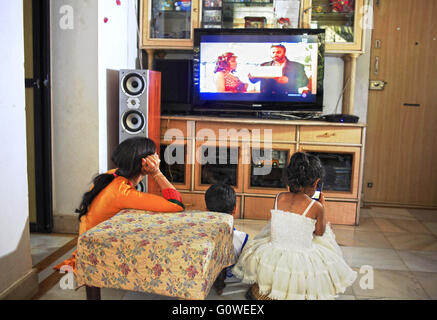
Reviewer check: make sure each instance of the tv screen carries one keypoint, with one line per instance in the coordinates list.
(259, 69)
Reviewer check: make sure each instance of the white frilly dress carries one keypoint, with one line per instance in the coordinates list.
(288, 262)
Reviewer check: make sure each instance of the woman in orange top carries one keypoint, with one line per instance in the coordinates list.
(115, 190)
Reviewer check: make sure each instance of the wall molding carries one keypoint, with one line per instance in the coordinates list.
(22, 289)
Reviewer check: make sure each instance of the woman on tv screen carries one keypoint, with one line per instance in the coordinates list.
(225, 81)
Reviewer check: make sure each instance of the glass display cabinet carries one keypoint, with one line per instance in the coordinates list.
(341, 169)
(238, 14)
(168, 23)
(234, 151)
(218, 163)
(265, 172)
(342, 20)
(174, 166)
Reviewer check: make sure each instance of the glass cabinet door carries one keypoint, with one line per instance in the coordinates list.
(175, 165)
(218, 163)
(169, 23)
(265, 171)
(341, 19)
(341, 166)
(238, 14)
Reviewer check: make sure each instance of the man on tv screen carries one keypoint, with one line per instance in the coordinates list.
(288, 81)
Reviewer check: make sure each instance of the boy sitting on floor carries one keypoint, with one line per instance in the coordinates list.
(222, 198)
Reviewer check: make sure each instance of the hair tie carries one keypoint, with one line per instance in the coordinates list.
(115, 175)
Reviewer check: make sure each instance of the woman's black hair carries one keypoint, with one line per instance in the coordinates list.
(303, 170)
(220, 198)
(127, 157)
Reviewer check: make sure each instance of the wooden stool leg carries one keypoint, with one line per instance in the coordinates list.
(219, 283)
(93, 293)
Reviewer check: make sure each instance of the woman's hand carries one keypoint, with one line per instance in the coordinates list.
(151, 165)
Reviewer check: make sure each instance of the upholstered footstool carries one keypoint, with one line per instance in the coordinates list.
(173, 254)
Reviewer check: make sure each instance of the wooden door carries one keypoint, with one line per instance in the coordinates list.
(401, 145)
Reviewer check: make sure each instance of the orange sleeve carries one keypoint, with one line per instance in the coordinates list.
(134, 199)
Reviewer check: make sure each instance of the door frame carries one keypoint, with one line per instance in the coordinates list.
(42, 117)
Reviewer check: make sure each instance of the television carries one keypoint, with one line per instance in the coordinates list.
(258, 70)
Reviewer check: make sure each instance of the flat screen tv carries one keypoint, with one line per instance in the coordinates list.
(268, 70)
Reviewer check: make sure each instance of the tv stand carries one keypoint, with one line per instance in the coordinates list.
(256, 194)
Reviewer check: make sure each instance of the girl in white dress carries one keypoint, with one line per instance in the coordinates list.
(296, 256)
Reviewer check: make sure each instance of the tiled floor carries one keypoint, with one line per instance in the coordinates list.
(43, 245)
(399, 244)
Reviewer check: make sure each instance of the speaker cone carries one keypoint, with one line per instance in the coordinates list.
(133, 121)
(133, 84)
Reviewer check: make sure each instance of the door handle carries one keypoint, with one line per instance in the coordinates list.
(376, 68)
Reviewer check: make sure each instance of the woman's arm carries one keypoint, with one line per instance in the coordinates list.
(170, 201)
(321, 219)
(131, 198)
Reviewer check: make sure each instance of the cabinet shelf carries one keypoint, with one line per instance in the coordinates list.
(182, 13)
(332, 16)
(249, 3)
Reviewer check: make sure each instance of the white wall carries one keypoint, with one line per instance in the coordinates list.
(15, 258)
(116, 50)
(82, 57)
(75, 105)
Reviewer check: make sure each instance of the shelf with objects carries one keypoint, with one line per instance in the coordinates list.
(344, 22)
(168, 23)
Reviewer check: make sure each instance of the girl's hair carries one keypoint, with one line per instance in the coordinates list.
(222, 63)
(127, 157)
(302, 171)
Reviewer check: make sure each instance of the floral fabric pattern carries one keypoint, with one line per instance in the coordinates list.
(171, 254)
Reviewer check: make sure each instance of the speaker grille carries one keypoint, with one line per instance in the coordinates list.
(133, 84)
(133, 121)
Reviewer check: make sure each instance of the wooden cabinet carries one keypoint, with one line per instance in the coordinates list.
(234, 151)
(167, 25)
(341, 169)
(263, 173)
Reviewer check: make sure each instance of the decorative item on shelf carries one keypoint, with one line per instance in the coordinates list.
(284, 23)
(254, 22)
(212, 16)
(184, 5)
(166, 5)
(212, 3)
(318, 9)
(342, 5)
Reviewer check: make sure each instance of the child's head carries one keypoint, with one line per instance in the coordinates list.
(220, 198)
(303, 172)
(128, 154)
